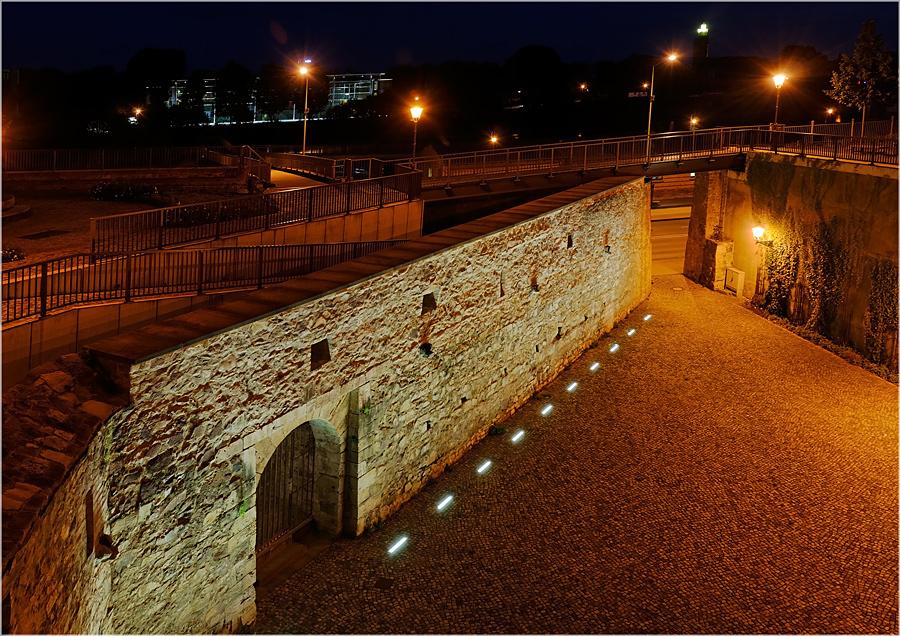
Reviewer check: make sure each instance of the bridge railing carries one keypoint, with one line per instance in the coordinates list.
(184, 224)
(42, 288)
(459, 168)
(110, 158)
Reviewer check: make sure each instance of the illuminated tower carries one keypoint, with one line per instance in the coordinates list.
(700, 60)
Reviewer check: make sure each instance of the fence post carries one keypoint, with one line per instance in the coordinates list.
(260, 271)
(874, 146)
(348, 186)
(43, 290)
(812, 126)
(309, 216)
(834, 142)
(551, 160)
(162, 223)
(618, 154)
(128, 277)
(218, 217)
(381, 192)
(852, 122)
(200, 273)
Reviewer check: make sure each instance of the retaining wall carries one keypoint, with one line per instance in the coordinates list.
(503, 304)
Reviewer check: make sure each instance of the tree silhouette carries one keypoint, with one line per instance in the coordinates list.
(866, 78)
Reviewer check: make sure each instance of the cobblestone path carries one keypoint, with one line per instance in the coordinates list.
(716, 474)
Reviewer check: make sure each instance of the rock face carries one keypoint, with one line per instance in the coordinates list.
(397, 372)
(49, 420)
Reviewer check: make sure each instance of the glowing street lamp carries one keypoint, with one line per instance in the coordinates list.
(828, 114)
(416, 112)
(779, 82)
(493, 141)
(671, 58)
(304, 71)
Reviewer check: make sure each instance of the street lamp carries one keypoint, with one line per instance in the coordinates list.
(304, 71)
(416, 112)
(671, 58)
(828, 114)
(779, 81)
(493, 141)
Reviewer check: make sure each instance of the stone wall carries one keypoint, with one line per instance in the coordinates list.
(829, 224)
(429, 344)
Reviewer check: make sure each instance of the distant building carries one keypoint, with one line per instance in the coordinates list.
(347, 87)
(177, 90)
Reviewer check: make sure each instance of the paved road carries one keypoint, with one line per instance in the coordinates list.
(667, 242)
(716, 474)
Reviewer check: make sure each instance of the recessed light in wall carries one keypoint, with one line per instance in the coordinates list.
(397, 545)
(445, 502)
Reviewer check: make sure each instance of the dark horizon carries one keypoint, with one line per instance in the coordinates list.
(374, 36)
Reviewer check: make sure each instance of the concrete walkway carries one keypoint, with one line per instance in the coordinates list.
(716, 474)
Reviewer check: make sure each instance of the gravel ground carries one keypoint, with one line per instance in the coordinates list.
(716, 474)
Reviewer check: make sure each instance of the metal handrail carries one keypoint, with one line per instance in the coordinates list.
(485, 165)
(42, 288)
(211, 220)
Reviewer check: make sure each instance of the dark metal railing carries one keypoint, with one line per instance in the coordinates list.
(184, 224)
(42, 288)
(110, 158)
(454, 169)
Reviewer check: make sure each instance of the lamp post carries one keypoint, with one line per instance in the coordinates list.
(416, 112)
(828, 114)
(779, 82)
(671, 58)
(304, 71)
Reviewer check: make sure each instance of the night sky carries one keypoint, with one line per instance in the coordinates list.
(374, 36)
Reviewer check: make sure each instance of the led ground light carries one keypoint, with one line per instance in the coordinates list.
(631, 332)
(445, 502)
(546, 409)
(572, 387)
(614, 348)
(518, 436)
(397, 545)
(595, 366)
(647, 317)
(484, 467)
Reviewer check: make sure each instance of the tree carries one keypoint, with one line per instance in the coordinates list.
(234, 93)
(273, 93)
(866, 78)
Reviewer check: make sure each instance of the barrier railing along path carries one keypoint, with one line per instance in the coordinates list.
(42, 288)
(457, 169)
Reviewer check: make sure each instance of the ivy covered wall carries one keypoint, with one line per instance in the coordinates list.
(828, 261)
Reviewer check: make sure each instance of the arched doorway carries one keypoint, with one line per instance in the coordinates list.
(284, 496)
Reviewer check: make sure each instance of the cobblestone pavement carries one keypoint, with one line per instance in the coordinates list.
(716, 474)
